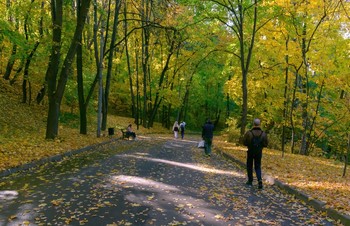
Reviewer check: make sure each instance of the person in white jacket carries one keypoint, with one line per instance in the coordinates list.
(176, 129)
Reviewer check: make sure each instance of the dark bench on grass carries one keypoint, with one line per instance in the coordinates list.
(125, 134)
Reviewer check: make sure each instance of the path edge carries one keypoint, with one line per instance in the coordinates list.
(55, 158)
(316, 204)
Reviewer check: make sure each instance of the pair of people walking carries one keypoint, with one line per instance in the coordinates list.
(179, 128)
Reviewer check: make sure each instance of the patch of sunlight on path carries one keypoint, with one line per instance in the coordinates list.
(187, 165)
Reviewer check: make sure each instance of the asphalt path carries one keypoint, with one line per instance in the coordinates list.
(149, 181)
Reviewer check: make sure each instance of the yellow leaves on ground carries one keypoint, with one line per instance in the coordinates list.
(23, 128)
(320, 178)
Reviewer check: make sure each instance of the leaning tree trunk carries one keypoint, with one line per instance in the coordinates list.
(12, 58)
(26, 75)
(158, 99)
(10, 63)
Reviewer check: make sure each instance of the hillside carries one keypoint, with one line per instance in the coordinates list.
(23, 127)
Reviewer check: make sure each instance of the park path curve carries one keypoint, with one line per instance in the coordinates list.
(149, 181)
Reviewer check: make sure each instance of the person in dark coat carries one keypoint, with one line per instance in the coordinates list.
(207, 135)
(255, 139)
(182, 128)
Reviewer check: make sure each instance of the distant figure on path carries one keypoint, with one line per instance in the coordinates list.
(255, 139)
(207, 135)
(129, 132)
(176, 129)
(182, 128)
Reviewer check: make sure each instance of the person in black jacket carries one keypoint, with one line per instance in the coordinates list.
(207, 135)
(255, 139)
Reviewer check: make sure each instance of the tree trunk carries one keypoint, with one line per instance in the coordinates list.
(110, 63)
(51, 73)
(132, 95)
(18, 72)
(100, 82)
(10, 63)
(12, 58)
(312, 139)
(145, 58)
(57, 94)
(347, 156)
(159, 99)
(291, 116)
(138, 104)
(80, 81)
(245, 61)
(305, 106)
(26, 73)
(285, 102)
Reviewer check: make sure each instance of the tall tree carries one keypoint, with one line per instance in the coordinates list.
(306, 24)
(55, 93)
(111, 55)
(242, 18)
(146, 35)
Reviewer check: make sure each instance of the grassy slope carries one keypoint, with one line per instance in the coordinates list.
(22, 132)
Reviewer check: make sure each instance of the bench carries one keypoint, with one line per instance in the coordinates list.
(125, 135)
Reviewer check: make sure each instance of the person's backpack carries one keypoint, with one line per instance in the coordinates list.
(257, 142)
(182, 127)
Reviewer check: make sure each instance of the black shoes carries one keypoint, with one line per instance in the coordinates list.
(250, 183)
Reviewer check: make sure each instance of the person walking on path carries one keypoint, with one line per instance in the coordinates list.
(255, 139)
(182, 128)
(176, 129)
(207, 135)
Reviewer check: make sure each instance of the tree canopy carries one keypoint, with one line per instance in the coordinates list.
(285, 62)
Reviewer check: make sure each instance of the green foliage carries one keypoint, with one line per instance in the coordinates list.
(8, 32)
(233, 131)
(70, 119)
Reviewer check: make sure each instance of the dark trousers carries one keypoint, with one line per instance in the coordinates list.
(182, 133)
(207, 145)
(256, 159)
(131, 134)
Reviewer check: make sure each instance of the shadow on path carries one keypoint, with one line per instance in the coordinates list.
(146, 182)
